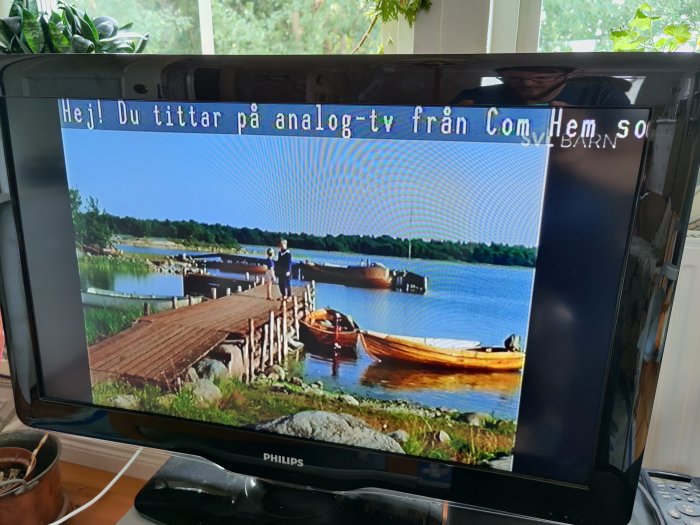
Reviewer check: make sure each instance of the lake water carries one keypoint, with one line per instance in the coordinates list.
(464, 301)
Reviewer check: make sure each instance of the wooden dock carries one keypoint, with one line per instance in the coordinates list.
(160, 348)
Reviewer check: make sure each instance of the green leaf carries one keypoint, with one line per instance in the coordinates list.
(679, 32)
(106, 27)
(644, 10)
(142, 45)
(88, 29)
(32, 7)
(32, 32)
(673, 46)
(123, 36)
(4, 41)
(11, 26)
(69, 15)
(642, 24)
(16, 9)
(55, 17)
(126, 26)
(660, 43)
(81, 45)
(19, 45)
(619, 33)
(59, 41)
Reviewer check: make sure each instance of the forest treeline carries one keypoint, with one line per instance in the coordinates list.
(97, 228)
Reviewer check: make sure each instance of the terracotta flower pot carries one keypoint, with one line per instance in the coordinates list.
(19, 459)
(40, 499)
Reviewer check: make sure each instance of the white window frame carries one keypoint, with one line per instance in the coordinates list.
(477, 26)
(206, 27)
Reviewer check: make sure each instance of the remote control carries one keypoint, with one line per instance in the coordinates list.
(676, 495)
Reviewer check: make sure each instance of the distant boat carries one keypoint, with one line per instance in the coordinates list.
(374, 275)
(231, 263)
(120, 300)
(325, 328)
(440, 353)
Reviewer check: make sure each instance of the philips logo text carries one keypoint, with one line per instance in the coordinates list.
(284, 460)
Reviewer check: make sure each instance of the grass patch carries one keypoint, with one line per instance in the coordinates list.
(295, 367)
(246, 404)
(101, 322)
(103, 263)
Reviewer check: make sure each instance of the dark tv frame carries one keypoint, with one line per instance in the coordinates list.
(671, 90)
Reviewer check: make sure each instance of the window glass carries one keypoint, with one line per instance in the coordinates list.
(290, 27)
(172, 24)
(585, 26)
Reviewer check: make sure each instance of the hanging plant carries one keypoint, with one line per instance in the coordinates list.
(390, 10)
(645, 31)
(65, 30)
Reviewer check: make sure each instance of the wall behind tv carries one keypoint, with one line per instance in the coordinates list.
(674, 435)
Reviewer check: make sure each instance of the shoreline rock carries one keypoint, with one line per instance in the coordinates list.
(343, 429)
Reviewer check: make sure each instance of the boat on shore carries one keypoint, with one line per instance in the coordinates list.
(234, 263)
(372, 275)
(440, 353)
(120, 300)
(328, 331)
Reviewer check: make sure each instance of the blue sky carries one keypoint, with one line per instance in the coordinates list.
(460, 191)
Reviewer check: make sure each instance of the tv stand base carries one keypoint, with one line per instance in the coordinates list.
(189, 491)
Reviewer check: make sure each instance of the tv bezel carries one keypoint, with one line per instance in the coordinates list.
(610, 494)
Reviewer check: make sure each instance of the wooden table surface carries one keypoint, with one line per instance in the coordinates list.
(83, 483)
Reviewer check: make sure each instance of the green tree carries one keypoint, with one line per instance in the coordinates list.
(97, 230)
(78, 223)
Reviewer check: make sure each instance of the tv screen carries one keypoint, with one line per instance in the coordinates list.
(316, 290)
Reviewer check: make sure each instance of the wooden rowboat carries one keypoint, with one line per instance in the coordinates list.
(120, 300)
(325, 328)
(440, 353)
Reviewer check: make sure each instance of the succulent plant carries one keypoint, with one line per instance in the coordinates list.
(65, 30)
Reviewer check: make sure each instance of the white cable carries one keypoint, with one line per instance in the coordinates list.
(104, 490)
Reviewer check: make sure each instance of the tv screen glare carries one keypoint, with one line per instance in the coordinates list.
(434, 295)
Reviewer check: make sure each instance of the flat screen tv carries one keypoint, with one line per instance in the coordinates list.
(443, 275)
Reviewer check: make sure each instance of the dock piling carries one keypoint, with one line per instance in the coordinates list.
(246, 360)
(278, 333)
(284, 332)
(295, 316)
(263, 351)
(271, 324)
(251, 336)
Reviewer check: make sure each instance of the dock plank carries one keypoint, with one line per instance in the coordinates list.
(160, 347)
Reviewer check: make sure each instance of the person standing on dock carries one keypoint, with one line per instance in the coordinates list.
(283, 268)
(270, 272)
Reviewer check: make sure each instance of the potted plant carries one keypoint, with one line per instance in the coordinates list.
(65, 30)
(30, 479)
